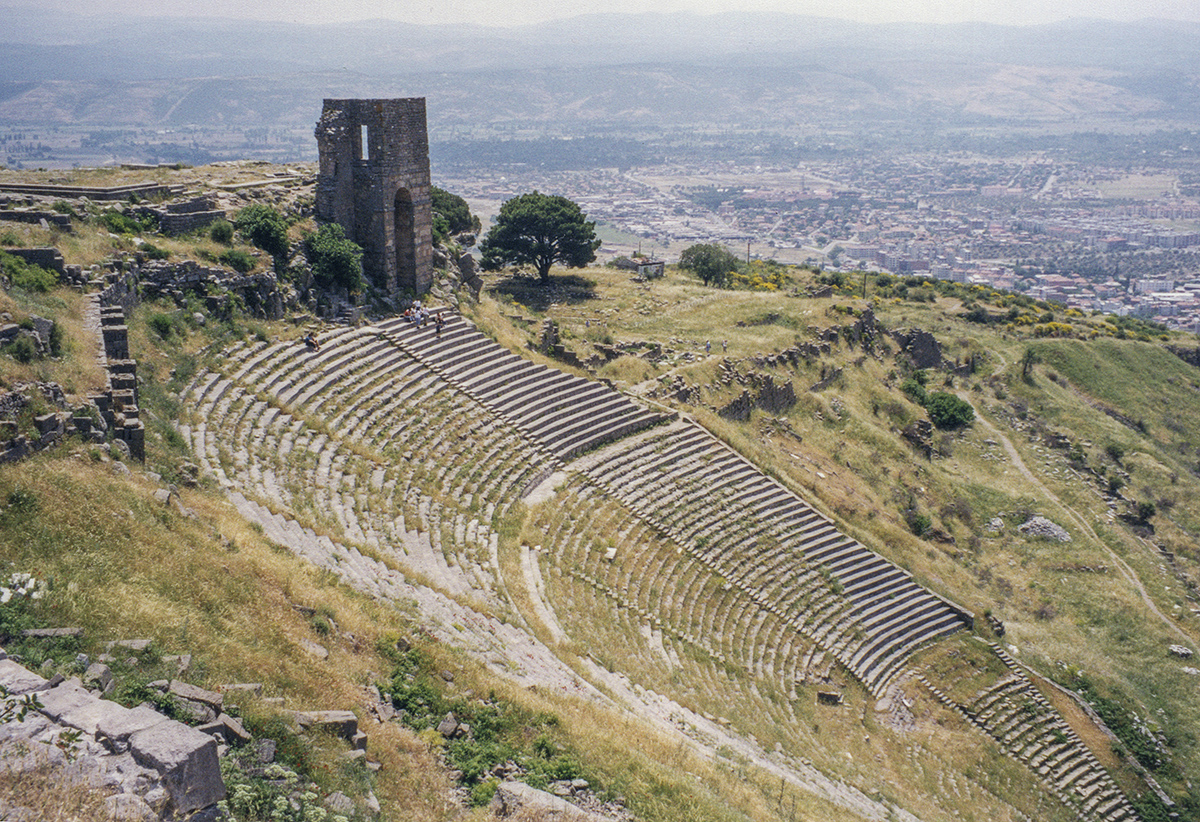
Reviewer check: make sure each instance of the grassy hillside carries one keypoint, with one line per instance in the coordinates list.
(1101, 609)
(1083, 420)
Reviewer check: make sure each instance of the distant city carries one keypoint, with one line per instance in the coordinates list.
(1116, 240)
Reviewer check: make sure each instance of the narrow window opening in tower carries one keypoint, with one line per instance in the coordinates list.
(365, 142)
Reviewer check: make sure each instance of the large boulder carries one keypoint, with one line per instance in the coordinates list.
(187, 761)
(921, 347)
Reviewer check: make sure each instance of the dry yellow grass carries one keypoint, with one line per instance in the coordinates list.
(214, 587)
(846, 457)
(44, 793)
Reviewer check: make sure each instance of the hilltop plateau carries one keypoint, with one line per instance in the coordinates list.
(815, 546)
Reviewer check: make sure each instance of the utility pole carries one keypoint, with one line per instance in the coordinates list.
(747, 252)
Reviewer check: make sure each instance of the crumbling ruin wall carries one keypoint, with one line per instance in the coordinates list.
(183, 217)
(374, 181)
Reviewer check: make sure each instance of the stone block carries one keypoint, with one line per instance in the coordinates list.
(254, 688)
(132, 644)
(342, 723)
(338, 802)
(53, 633)
(448, 726)
(185, 759)
(228, 728)
(98, 675)
(115, 728)
(199, 712)
(129, 807)
(48, 423)
(18, 680)
(193, 694)
(314, 649)
(70, 704)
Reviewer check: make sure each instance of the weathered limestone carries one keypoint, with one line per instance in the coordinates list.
(18, 680)
(187, 761)
(517, 797)
(341, 723)
(159, 766)
(374, 181)
(1044, 529)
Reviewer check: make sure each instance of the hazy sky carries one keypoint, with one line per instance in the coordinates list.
(514, 12)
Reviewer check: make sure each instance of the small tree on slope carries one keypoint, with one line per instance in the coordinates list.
(540, 230)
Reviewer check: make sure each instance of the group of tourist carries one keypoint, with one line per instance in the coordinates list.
(418, 315)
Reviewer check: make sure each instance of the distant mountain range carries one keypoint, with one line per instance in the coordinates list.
(737, 69)
(46, 45)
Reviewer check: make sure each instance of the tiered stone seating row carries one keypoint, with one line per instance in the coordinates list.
(768, 542)
(594, 541)
(565, 414)
(371, 444)
(666, 547)
(1013, 712)
(644, 612)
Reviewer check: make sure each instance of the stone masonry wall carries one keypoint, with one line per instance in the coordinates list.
(50, 258)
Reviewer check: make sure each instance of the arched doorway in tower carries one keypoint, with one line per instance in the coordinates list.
(404, 220)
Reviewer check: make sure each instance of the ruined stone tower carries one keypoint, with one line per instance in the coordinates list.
(374, 181)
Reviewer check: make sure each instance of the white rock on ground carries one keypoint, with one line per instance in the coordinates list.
(515, 797)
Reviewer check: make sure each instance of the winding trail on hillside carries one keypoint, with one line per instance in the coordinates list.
(1122, 566)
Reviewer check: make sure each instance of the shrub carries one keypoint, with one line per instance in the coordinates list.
(1143, 512)
(914, 391)
(221, 232)
(161, 324)
(25, 275)
(978, 314)
(441, 229)
(455, 211)
(711, 262)
(22, 350)
(56, 340)
(917, 522)
(23, 501)
(119, 223)
(236, 259)
(153, 252)
(336, 261)
(482, 793)
(264, 227)
(948, 411)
